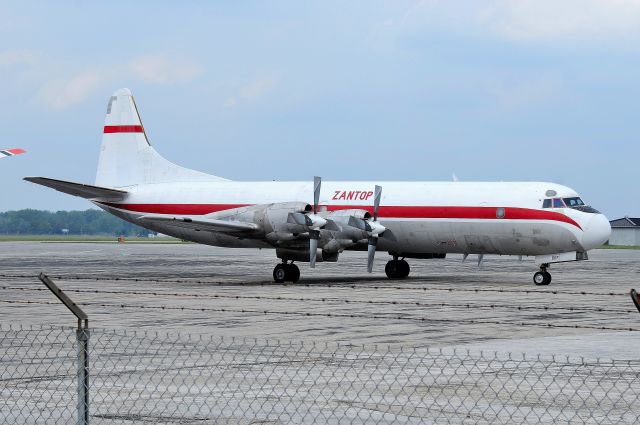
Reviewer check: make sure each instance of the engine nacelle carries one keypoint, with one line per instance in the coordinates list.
(272, 218)
(341, 217)
(303, 255)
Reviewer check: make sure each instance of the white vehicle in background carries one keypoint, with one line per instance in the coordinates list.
(11, 152)
(314, 221)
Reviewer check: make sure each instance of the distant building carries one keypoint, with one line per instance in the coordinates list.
(625, 231)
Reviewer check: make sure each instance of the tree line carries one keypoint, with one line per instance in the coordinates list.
(89, 222)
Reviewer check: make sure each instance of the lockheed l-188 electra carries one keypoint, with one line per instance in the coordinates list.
(313, 221)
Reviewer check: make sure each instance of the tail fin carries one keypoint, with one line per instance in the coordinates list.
(126, 156)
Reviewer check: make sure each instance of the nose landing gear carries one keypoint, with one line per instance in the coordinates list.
(543, 277)
(286, 272)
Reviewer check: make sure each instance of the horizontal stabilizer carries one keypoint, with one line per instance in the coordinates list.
(11, 152)
(78, 189)
(201, 223)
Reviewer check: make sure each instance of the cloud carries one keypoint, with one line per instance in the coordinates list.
(60, 94)
(250, 91)
(68, 90)
(542, 20)
(526, 20)
(19, 57)
(160, 69)
(523, 92)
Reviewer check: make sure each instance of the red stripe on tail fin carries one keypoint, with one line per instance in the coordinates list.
(123, 129)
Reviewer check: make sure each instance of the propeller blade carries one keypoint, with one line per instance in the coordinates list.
(317, 182)
(297, 218)
(376, 202)
(313, 247)
(312, 221)
(359, 223)
(332, 226)
(371, 252)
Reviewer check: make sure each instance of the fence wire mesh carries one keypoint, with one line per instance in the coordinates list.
(144, 377)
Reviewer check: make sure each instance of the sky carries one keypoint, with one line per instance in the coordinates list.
(494, 90)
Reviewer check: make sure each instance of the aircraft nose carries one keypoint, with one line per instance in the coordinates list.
(596, 232)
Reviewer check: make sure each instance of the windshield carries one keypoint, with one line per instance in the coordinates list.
(573, 202)
(576, 203)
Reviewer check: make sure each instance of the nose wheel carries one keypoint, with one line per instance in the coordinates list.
(543, 277)
(397, 269)
(286, 272)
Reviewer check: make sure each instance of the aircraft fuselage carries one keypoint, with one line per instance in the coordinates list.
(425, 217)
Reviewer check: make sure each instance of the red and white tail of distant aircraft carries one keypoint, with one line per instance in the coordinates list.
(305, 222)
(11, 152)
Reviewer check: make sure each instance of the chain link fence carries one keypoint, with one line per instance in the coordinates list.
(145, 377)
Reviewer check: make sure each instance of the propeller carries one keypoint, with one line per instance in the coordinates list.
(373, 228)
(314, 232)
(313, 222)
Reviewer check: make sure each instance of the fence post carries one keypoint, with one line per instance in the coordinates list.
(82, 340)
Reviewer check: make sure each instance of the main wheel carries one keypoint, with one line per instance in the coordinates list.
(404, 269)
(542, 278)
(280, 273)
(393, 269)
(292, 273)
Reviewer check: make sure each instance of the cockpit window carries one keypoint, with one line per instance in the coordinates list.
(573, 202)
(553, 203)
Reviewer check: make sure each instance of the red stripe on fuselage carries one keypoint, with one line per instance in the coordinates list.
(123, 129)
(425, 212)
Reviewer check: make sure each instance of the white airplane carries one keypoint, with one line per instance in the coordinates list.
(11, 152)
(306, 223)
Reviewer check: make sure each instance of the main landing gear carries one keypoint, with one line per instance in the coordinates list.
(397, 269)
(286, 272)
(543, 277)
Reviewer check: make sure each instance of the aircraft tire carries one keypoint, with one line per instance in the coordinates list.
(393, 269)
(280, 273)
(292, 273)
(542, 278)
(404, 269)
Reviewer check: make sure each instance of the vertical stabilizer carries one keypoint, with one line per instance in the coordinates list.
(126, 156)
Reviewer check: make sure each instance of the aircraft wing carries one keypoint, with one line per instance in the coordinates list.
(202, 223)
(78, 189)
(11, 152)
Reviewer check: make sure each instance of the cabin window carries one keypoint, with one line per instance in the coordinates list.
(500, 213)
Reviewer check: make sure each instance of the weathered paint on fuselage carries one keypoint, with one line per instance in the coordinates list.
(424, 217)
